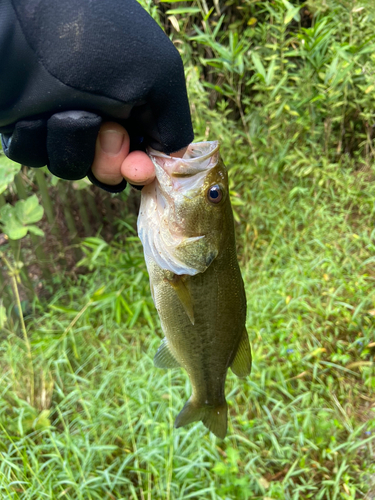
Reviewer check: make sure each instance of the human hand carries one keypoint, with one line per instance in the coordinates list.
(74, 67)
(113, 162)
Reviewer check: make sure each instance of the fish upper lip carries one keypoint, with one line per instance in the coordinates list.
(154, 152)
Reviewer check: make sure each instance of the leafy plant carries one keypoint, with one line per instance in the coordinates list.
(8, 169)
(20, 219)
(95, 419)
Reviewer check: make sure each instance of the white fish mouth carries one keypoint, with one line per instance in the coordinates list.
(199, 157)
(185, 175)
(196, 152)
(157, 229)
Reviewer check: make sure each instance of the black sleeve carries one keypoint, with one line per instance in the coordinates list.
(101, 59)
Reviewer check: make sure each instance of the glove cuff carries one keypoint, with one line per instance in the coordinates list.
(118, 188)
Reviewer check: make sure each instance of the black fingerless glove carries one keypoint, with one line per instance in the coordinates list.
(67, 65)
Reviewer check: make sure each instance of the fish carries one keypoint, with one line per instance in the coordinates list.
(186, 227)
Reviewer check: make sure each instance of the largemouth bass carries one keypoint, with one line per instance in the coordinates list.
(186, 227)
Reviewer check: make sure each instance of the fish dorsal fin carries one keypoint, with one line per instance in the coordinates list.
(241, 365)
(164, 358)
(179, 285)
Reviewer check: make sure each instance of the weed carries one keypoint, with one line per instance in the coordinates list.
(287, 89)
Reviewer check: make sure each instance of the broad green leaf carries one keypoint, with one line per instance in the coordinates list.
(10, 223)
(15, 231)
(29, 211)
(35, 230)
(292, 14)
(6, 213)
(8, 169)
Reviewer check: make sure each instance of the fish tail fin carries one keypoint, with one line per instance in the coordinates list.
(190, 413)
(214, 418)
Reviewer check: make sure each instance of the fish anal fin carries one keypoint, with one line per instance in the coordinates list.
(214, 418)
(179, 285)
(164, 358)
(190, 413)
(241, 365)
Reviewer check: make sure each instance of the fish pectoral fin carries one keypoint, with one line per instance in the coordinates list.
(213, 417)
(164, 358)
(179, 285)
(189, 241)
(241, 365)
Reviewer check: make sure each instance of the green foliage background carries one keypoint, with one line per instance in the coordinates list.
(288, 89)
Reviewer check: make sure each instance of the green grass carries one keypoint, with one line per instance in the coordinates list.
(92, 418)
(302, 426)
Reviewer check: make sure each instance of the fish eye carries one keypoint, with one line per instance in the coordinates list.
(215, 194)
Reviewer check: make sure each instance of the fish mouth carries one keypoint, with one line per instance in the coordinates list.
(198, 158)
(201, 150)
